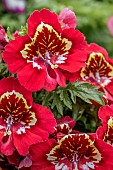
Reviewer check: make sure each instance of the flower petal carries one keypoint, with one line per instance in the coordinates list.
(75, 61)
(44, 116)
(32, 78)
(23, 141)
(39, 161)
(60, 78)
(67, 18)
(7, 146)
(12, 55)
(45, 16)
(50, 83)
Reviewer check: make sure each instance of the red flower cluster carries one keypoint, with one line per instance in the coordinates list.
(52, 52)
(73, 150)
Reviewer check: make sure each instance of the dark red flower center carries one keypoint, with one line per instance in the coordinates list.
(108, 137)
(97, 70)
(61, 130)
(78, 149)
(14, 109)
(47, 46)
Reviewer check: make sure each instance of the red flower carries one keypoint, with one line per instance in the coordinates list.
(98, 70)
(67, 19)
(22, 123)
(66, 120)
(105, 131)
(41, 57)
(64, 127)
(74, 151)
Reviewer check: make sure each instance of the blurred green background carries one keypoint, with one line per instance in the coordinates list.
(92, 16)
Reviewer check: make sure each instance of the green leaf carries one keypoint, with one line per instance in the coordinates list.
(3, 70)
(3, 67)
(65, 98)
(77, 111)
(73, 95)
(88, 92)
(57, 102)
(48, 96)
